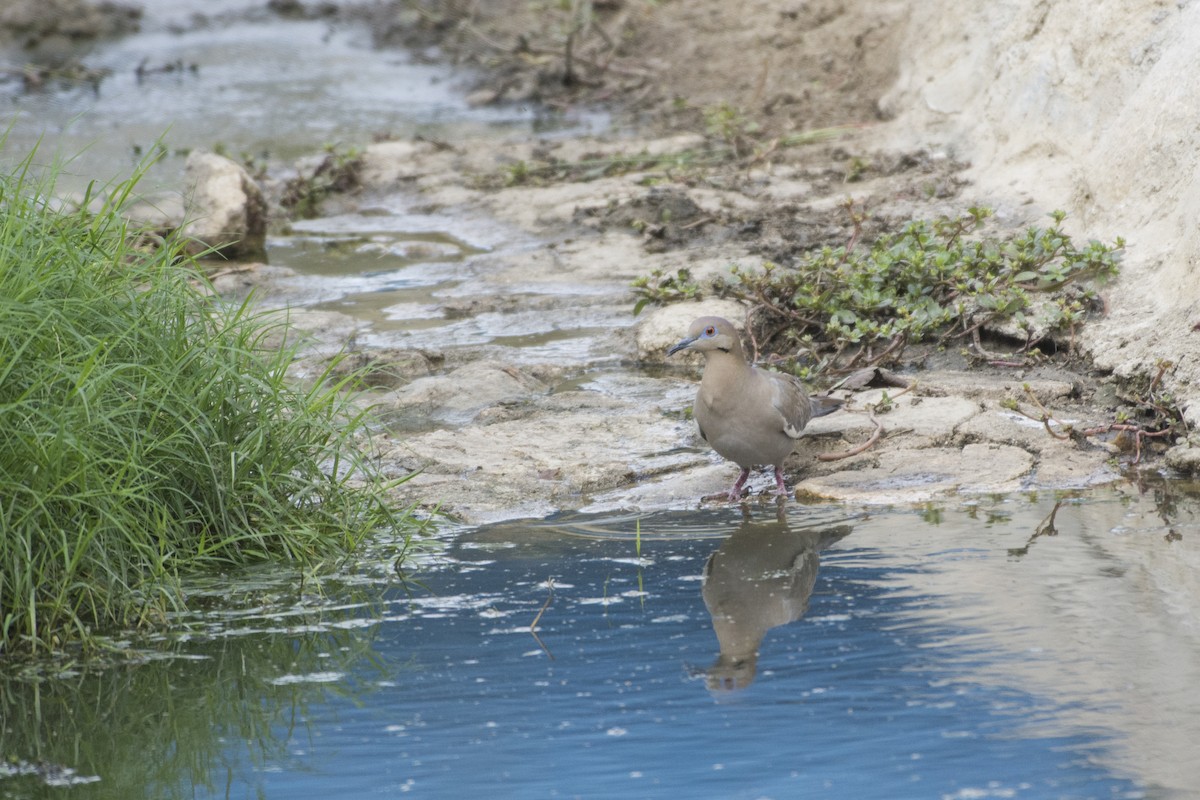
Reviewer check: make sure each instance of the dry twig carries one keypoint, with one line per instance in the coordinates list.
(867, 445)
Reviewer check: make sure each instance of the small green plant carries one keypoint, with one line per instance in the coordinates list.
(662, 288)
(852, 306)
(533, 625)
(886, 403)
(517, 173)
(340, 170)
(856, 169)
(637, 547)
(932, 513)
(731, 126)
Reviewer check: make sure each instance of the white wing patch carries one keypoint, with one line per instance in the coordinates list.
(789, 399)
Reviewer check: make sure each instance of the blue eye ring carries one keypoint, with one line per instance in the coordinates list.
(710, 331)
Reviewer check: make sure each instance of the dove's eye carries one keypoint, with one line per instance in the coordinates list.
(710, 331)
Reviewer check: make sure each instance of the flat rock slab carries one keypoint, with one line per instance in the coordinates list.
(562, 449)
(461, 395)
(931, 417)
(915, 475)
(991, 387)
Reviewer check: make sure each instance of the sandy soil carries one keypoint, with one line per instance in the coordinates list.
(787, 65)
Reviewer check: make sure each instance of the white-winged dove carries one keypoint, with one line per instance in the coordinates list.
(749, 416)
(761, 577)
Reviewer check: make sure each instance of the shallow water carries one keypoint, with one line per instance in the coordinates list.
(273, 89)
(262, 86)
(995, 647)
(1004, 647)
(396, 270)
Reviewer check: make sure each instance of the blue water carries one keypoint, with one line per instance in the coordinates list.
(1006, 647)
(867, 695)
(964, 650)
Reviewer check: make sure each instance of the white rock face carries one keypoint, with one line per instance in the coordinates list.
(1082, 106)
(225, 207)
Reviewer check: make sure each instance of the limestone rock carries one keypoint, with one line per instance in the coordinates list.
(458, 397)
(1185, 458)
(226, 210)
(915, 475)
(934, 418)
(574, 446)
(387, 164)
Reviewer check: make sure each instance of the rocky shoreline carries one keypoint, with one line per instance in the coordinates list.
(496, 432)
(517, 437)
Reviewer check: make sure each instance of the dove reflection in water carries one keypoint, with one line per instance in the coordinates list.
(760, 578)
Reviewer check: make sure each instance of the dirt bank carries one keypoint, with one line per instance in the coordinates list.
(1080, 106)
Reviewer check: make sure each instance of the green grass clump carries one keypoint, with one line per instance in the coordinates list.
(845, 307)
(147, 432)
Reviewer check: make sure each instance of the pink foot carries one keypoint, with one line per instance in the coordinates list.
(780, 486)
(734, 494)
